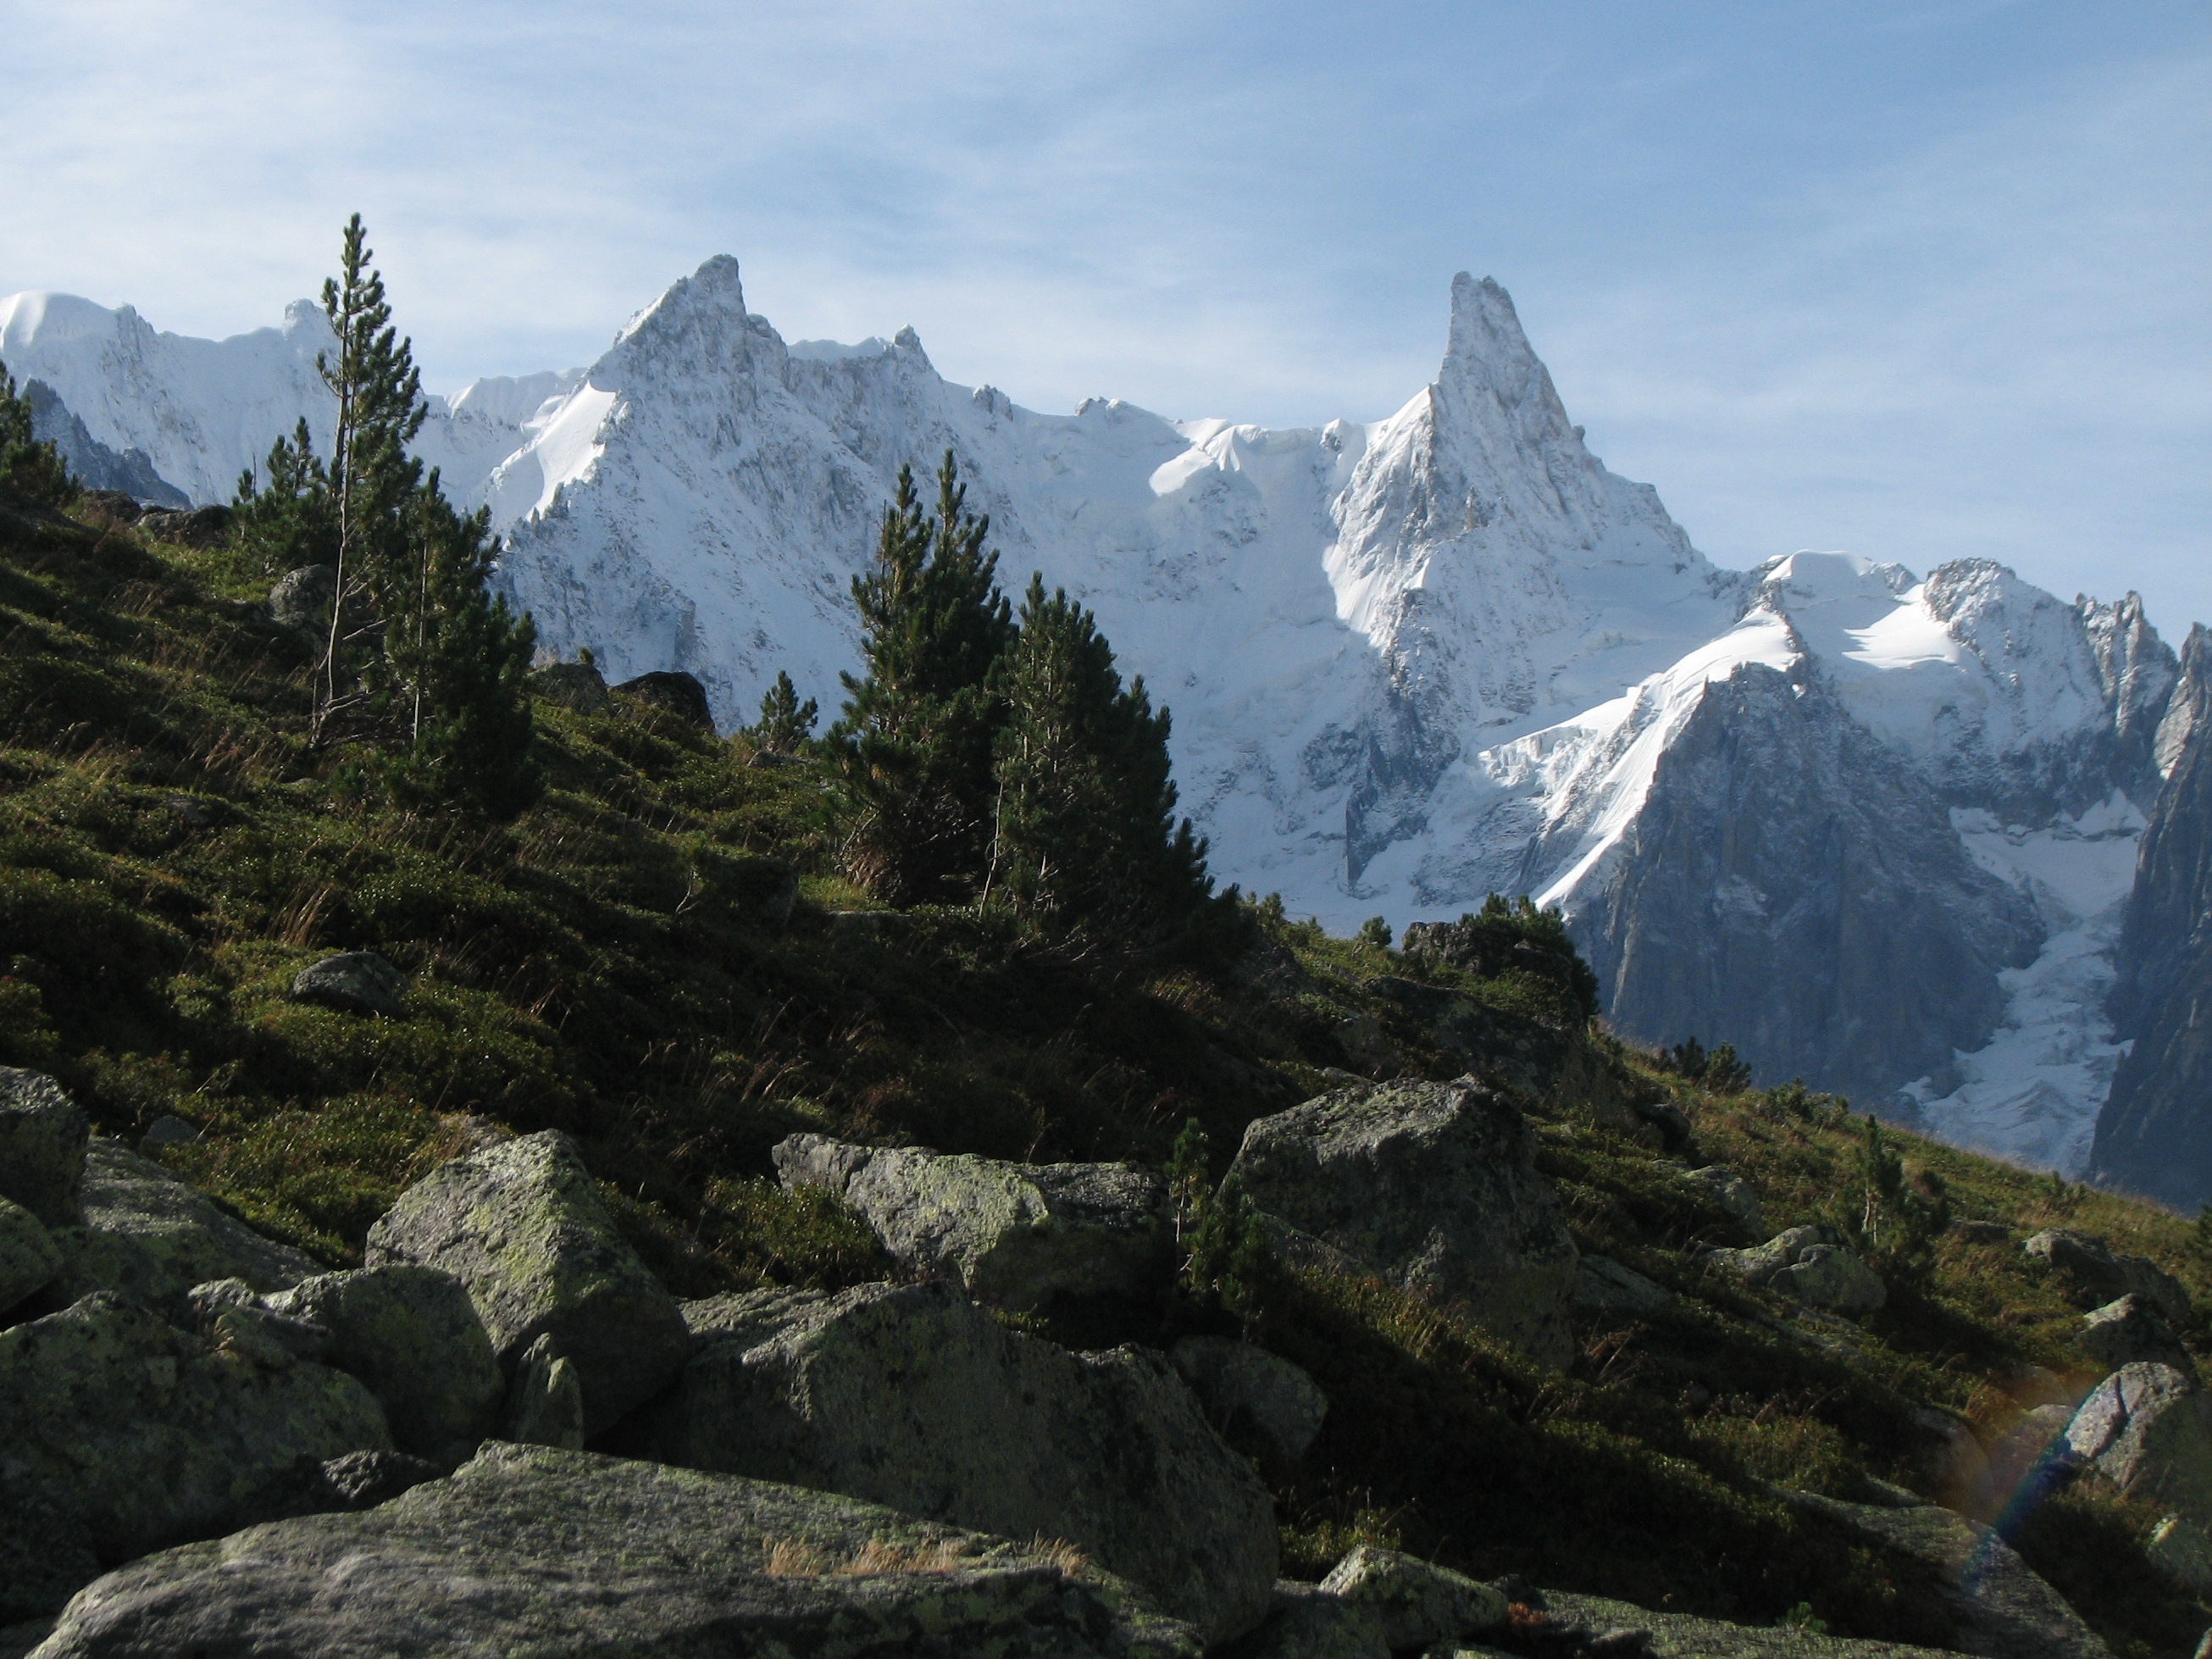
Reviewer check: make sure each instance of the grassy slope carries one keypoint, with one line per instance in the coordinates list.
(171, 853)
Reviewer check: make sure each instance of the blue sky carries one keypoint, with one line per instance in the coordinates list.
(1919, 280)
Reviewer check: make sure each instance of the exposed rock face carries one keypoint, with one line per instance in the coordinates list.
(1811, 1263)
(1418, 1601)
(2154, 1136)
(1792, 879)
(578, 687)
(43, 1134)
(1604, 1286)
(545, 1407)
(127, 471)
(1433, 1185)
(531, 1550)
(2148, 1430)
(151, 1436)
(678, 693)
(1017, 1235)
(356, 983)
(29, 1260)
(520, 1225)
(149, 1237)
(1737, 1198)
(2093, 1274)
(910, 1396)
(301, 601)
(2003, 1609)
(1247, 1391)
(2129, 1330)
(1310, 1623)
(412, 1335)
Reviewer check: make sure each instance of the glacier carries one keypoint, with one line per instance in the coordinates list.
(1410, 661)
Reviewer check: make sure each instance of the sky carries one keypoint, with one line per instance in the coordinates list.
(1918, 280)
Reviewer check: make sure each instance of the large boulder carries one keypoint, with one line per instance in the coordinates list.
(1435, 1187)
(1249, 1393)
(29, 1258)
(1811, 1264)
(1307, 1622)
(911, 1396)
(149, 1238)
(578, 687)
(1605, 1287)
(531, 1550)
(1731, 1194)
(675, 692)
(150, 1436)
(1017, 1235)
(1417, 1601)
(43, 1134)
(2147, 1430)
(411, 1334)
(2129, 1330)
(2093, 1274)
(520, 1225)
(2000, 1607)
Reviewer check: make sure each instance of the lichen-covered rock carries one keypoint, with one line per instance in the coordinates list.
(1735, 1197)
(30, 1259)
(2129, 1330)
(1604, 1286)
(152, 1436)
(2095, 1275)
(2182, 1550)
(411, 1334)
(1417, 1601)
(149, 1238)
(1307, 1622)
(2001, 1607)
(1247, 1391)
(231, 1315)
(43, 1134)
(1812, 1264)
(354, 982)
(1684, 1636)
(911, 1396)
(1017, 1235)
(520, 1225)
(1433, 1185)
(46, 1555)
(545, 1407)
(2147, 1430)
(528, 1550)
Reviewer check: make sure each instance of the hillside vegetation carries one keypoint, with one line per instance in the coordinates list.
(173, 849)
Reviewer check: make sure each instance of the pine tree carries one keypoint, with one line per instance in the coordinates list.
(31, 471)
(291, 520)
(466, 660)
(371, 476)
(1087, 829)
(914, 745)
(785, 725)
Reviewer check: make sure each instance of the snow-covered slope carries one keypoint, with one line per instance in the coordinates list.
(1870, 827)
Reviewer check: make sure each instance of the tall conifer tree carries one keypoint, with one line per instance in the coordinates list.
(1086, 831)
(30, 471)
(915, 746)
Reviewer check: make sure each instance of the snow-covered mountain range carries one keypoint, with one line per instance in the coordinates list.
(1878, 829)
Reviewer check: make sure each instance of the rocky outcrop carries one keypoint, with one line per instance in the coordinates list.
(1510, 1051)
(1017, 1235)
(1811, 1264)
(2093, 1274)
(545, 1407)
(1794, 884)
(674, 692)
(2147, 1430)
(411, 1334)
(578, 687)
(2153, 1135)
(30, 1259)
(43, 1134)
(148, 1435)
(1417, 1601)
(1307, 1622)
(520, 1225)
(1249, 1393)
(149, 1238)
(1731, 1195)
(910, 1396)
(2003, 1609)
(531, 1550)
(1604, 1286)
(2128, 1331)
(355, 982)
(1435, 1187)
